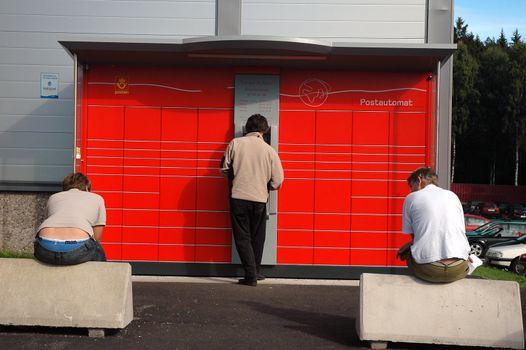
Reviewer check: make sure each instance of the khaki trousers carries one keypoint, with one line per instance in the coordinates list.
(438, 272)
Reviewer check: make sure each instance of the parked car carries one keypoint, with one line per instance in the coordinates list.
(518, 212)
(521, 265)
(492, 233)
(489, 210)
(507, 254)
(505, 210)
(474, 221)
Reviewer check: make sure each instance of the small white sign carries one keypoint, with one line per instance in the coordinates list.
(48, 85)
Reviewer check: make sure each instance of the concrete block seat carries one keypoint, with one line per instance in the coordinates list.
(470, 312)
(93, 295)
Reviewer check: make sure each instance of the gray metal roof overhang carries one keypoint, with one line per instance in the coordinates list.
(261, 51)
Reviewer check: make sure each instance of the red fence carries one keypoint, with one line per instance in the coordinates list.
(490, 193)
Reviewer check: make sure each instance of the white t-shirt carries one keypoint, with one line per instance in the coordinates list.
(75, 208)
(436, 219)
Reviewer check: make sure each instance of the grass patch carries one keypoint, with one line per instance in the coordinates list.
(4, 253)
(493, 273)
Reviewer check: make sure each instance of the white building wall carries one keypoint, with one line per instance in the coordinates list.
(36, 135)
(370, 21)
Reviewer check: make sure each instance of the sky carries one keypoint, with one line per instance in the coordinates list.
(487, 17)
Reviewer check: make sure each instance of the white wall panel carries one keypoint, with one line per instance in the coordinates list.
(387, 21)
(36, 135)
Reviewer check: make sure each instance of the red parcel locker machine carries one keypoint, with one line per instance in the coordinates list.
(150, 137)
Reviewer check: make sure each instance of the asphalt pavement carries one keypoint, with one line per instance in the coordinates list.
(211, 313)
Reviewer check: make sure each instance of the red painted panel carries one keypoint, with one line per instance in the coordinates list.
(213, 236)
(369, 257)
(105, 123)
(368, 239)
(394, 223)
(371, 128)
(142, 124)
(103, 170)
(213, 219)
(178, 193)
(332, 221)
(212, 194)
(296, 196)
(141, 183)
(333, 128)
(177, 218)
(408, 129)
(217, 254)
(140, 235)
(369, 188)
(370, 205)
(176, 253)
(332, 256)
(295, 221)
(340, 239)
(140, 200)
(297, 127)
(106, 183)
(112, 234)
(113, 216)
(295, 238)
(140, 217)
(111, 199)
(369, 223)
(141, 252)
(392, 260)
(176, 235)
(179, 125)
(113, 251)
(294, 256)
(215, 125)
(332, 196)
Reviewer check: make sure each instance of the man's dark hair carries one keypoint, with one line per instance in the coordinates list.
(427, 175)
(256, 122)
(76, 180)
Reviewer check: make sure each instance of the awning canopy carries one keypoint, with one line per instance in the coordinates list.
(261, 51)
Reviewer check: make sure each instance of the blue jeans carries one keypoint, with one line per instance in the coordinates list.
(89, 251)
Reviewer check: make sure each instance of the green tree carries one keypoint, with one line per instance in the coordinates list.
(465, 96)
(515, 123)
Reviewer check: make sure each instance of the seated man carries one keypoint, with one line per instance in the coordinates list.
(72, 231)
(439, 249)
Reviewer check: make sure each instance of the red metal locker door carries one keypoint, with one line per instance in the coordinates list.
(295, 239)
(104, 160)
(408, 151)
(369, 187)
(332, 188)
(178, 185)
(142, 134)
(213, 233)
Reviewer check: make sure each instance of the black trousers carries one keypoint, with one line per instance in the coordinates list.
(249, 222)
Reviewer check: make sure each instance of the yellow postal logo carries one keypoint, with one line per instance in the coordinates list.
(121, 86)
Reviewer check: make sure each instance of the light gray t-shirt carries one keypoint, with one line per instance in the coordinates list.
(435, 217)
(75, 208)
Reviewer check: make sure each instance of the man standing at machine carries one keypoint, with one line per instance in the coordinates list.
(255, 169)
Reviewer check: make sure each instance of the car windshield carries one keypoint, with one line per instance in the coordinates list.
(488, 229)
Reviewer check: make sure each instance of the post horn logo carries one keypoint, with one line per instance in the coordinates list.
(121, 86)
(314, 92)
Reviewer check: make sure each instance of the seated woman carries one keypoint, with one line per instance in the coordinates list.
(71, 233)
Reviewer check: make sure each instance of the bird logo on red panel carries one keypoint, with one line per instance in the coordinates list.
(121, 86)
(314, 92)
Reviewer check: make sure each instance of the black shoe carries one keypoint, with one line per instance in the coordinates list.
(246, 282)
(260, 277)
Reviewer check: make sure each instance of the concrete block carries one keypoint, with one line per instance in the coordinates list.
(471, 312)
(95, 295)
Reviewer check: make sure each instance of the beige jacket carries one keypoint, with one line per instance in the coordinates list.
(255, 165)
